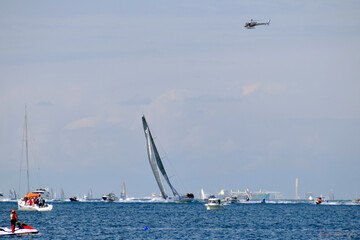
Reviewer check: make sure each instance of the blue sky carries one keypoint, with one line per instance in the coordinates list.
(229, 107)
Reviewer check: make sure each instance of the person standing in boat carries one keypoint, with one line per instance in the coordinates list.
(13, 219)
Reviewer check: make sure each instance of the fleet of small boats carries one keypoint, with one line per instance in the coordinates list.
(35, 201)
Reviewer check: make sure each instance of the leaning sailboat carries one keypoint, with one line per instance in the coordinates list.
(158, 168)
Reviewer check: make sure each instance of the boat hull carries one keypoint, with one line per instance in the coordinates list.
(22, 206)
(211, 206)
(18, 231)
(180, 199)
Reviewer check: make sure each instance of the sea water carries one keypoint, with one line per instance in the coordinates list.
(151, 220)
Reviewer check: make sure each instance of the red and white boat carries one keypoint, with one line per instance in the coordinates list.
(23, 230)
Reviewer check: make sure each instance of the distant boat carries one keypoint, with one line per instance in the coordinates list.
(204, 197)
(12, 194)
(62, 194)
(158, 167)
(89, 196)
(123, 194)
(232, 199)
(74, 199)
(28, 202)
(319, 200)
(214, 204)
(44, 193)
(110, 197)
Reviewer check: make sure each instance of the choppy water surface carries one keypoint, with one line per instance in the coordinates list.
(145, 220)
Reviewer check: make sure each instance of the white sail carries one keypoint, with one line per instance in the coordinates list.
(90, 194)
(158, 167)
(62, 194)
(123, 194)
(12, 194)
(202, 195)
(152, 154)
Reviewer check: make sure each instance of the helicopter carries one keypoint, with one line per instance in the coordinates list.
(252, 24)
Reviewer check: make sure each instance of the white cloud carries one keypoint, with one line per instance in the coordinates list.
(89, 122)
(250, 89)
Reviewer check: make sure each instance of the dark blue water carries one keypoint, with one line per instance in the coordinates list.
(100, 220)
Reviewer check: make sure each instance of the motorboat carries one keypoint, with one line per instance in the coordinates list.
(214, 204)
(319, 200)
(231, 199)
(74, 199)
(111, 197)
(23, 229)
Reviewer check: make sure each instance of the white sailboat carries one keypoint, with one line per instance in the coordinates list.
(89, 196)
(158, 167)
(12, 194)
(203, 196)
(62, 194)
(123, 194)
(28, 202)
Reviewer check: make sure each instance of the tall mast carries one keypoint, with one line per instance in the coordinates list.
(27, 152)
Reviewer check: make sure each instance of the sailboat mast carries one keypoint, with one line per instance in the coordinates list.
(27, 152)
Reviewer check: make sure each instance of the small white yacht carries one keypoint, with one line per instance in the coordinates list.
(214, 204)
(44, 193)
